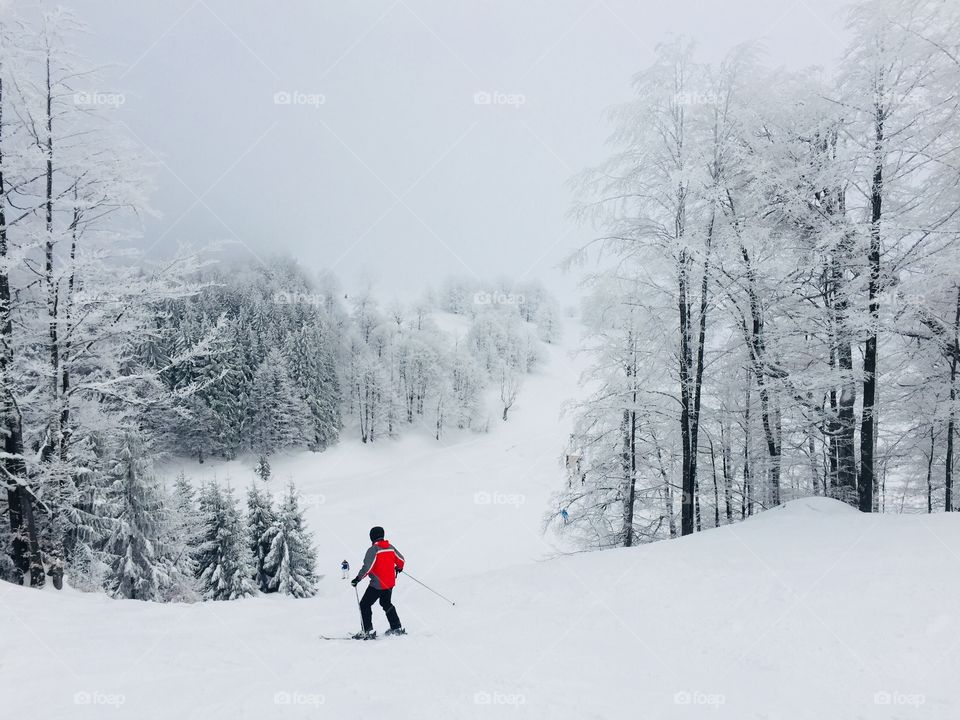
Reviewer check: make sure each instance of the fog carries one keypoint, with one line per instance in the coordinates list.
(398, 142)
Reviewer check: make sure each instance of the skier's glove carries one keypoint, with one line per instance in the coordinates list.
(355, 581)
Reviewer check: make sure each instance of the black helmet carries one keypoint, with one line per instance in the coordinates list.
(376, 533)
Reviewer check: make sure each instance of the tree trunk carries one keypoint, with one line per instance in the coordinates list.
(687, 465)
(53, 432)
(629, 469)
(746, 507)
(769, 416)
(630, 448)
(692, 373)
(868, 439)
(951, 413)
(843, 392)
(845, 440)
(26, 547)
(727, 473)
(696, 504)
(668, 490)
(716, 491)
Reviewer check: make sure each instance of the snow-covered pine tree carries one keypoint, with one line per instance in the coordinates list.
(313, 373)
(261, 530)
(225, 567)
(278, 413)
(88, 513)
(291, 562)
(134, 544)
(263, 468)
(182, 542)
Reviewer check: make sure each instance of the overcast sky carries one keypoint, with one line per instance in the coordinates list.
(383, 164)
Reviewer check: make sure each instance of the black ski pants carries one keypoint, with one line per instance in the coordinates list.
(372, 595)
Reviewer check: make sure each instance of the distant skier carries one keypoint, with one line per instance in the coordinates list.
(344, 570)
(383, 562)
(565, 515)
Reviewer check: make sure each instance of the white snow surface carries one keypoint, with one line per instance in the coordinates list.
(812, 610)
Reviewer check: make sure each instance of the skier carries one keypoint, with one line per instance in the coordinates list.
(565, 515)
(344, 569)
(383, 562)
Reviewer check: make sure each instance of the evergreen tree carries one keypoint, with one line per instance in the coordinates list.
(313, 374)
(278, 413)
(261, 530)
(184, 536)
(263, 468)
(134, 545)
(225, 567)
(89, 514)
(291, 562)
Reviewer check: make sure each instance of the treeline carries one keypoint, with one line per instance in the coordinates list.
(781, 312)
(469, 297)
(403, 369)
(293, 361)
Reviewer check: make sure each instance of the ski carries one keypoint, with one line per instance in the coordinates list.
(360, 637)
(347, 637)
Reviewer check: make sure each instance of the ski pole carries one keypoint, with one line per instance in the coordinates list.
(429, 588)
(357, 593)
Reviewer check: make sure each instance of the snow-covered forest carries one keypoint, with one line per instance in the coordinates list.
(664, 418)
(776, 308)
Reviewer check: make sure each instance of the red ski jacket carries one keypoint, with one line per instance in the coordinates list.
(381, 563)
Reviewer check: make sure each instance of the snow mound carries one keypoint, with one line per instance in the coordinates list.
(804, 506)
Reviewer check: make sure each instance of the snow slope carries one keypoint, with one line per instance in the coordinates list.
(810, 611)
(474, 501)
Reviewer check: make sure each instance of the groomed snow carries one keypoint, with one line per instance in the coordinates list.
(811, 611)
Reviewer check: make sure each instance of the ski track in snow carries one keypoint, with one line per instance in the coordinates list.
(808, 611)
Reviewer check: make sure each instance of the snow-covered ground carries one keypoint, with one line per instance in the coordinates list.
(809, 611)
